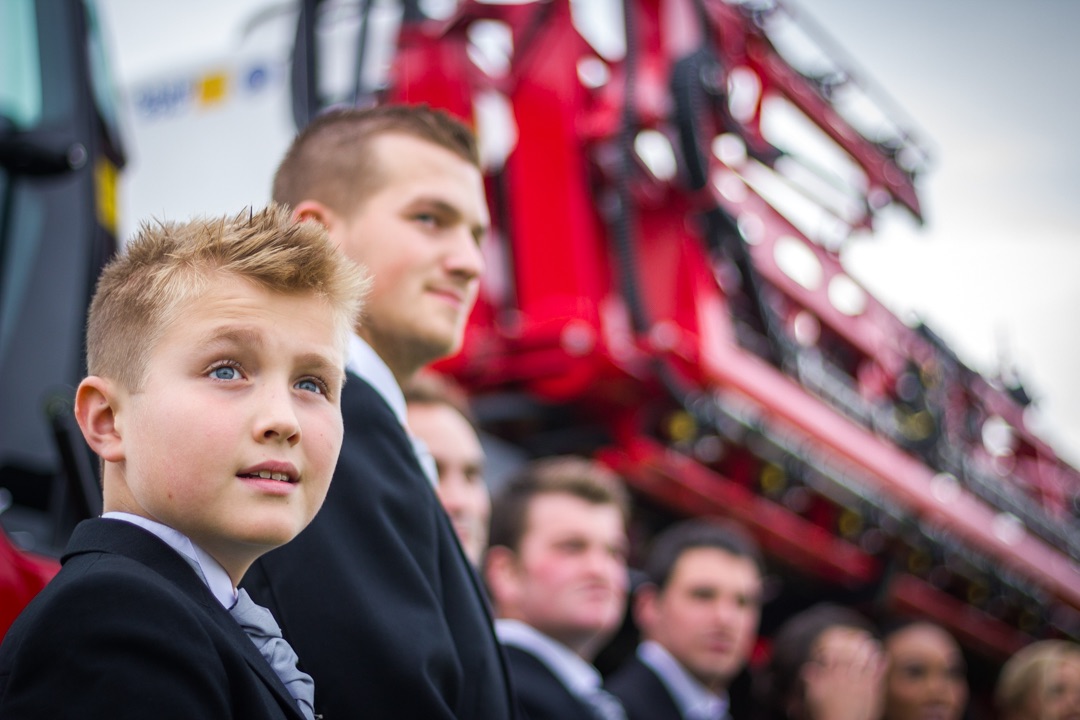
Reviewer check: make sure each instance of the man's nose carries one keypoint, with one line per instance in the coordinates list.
(465, 258)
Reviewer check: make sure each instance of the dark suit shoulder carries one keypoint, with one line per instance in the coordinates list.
(108, 638)
(102, 594)
(641, 692)
(539, 693)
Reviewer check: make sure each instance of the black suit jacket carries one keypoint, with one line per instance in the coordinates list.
(127, 629)
(376, 595)
(641, 692)
(539, 693)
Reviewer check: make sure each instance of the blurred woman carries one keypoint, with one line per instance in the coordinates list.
(825, 664)
(926, 677)
(1041, 682)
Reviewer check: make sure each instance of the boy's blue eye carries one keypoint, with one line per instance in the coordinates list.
(225, 372)
(311, 385)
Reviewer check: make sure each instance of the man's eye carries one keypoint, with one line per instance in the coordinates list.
(225, 372)
(312, 385)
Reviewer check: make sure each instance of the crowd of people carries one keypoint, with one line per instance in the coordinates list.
(297, 525)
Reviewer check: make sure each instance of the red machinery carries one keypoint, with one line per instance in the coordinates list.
(22, 576)
(664, 291)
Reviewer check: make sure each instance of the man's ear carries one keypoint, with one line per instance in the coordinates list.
(96, 411)
(500, 574)
(314, 211)
(645, 610)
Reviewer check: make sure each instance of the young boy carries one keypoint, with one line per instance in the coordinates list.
(216, 353)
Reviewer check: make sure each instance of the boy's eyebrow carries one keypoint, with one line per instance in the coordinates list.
(323, 365)
(236, 336)
(318, 362)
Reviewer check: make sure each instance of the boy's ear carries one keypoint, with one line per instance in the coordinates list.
(96, 412)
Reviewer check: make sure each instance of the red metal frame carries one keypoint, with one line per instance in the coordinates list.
(566, 332)
(22, 576)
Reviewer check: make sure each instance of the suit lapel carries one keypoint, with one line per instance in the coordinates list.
(360, 396)
(123, 538)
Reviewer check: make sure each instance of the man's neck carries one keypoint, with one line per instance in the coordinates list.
(575, 670)
(715, 684)
(585, 648)
(402, 365)
(690, 692)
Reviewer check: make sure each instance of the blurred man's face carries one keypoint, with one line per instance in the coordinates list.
(460, 462)
(707, 615)
(569, 578)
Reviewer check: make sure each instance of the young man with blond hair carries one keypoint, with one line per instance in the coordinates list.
(216, 353)
(377, 595)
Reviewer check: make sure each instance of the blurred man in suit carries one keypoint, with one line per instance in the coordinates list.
(698, 614)
(556, 570)
(439, 416)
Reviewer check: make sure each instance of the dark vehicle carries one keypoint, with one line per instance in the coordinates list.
(59, 158)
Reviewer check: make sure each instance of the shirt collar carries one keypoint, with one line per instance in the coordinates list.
(209, 569)
(579, 677)
(365, 363)
(694, 699)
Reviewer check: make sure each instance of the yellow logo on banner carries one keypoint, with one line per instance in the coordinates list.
(212, 88)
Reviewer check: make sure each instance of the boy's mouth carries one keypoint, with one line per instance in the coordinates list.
(282, 472)
(267, 475)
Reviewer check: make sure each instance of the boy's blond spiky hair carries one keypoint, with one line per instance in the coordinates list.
(167, 265)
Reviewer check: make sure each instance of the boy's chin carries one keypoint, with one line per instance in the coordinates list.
(270, 535)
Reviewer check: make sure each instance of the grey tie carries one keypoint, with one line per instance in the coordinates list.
(604, 705)
(260, 626)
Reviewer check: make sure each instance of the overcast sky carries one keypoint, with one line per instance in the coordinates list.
(990, 84)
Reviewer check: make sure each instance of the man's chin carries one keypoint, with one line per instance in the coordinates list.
(443, 345)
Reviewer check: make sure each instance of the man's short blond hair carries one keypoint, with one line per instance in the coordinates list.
(167, 265)
(331, 160)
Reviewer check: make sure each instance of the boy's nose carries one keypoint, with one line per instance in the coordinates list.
(277, 420)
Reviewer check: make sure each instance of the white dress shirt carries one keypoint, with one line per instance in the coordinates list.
(695, 701)
(365, 363)
(579, 677)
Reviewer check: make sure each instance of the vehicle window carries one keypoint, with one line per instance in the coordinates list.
(101, 77)
(20, 93)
